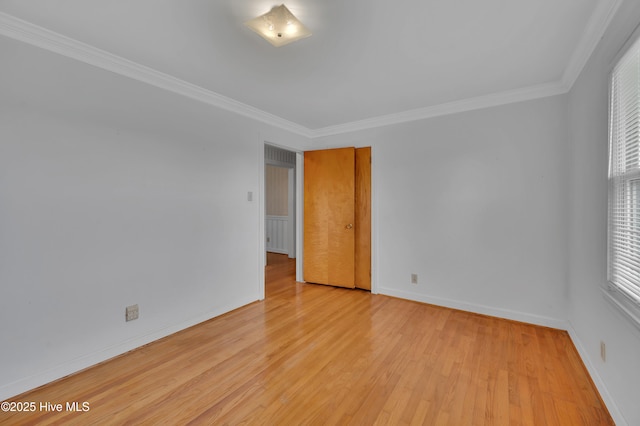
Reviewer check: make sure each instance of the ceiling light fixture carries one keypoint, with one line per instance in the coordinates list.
(278, 26)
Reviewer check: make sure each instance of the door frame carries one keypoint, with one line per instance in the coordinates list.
(299, 216)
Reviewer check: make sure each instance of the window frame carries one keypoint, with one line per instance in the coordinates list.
(613, 292)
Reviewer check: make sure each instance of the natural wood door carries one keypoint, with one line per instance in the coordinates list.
(329, 216)
(363, 219)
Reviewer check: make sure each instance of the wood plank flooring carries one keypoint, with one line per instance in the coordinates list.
(312, 354)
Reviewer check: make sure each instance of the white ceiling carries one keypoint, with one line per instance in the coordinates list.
(367, 61)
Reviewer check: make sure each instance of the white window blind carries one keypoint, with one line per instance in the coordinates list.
(624, 178)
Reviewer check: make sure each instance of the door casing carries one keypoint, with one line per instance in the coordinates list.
(300, 216)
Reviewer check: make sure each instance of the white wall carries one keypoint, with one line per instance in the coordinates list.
(112, 193)
(593, 319)
(475, 204)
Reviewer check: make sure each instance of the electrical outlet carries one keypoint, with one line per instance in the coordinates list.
(131, 312)
(603, 351)
(414, 278)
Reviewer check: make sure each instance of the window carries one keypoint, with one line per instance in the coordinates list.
(624, 184)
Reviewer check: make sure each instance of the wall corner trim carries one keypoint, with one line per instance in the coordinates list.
(470, 104)
(596, 27)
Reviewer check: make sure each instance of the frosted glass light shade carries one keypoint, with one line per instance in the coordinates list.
(278, 26)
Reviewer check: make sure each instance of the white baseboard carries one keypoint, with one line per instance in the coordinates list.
(277, 251)
(595, 377)
(10, 390)
(478, 309)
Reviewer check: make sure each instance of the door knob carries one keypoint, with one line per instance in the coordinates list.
(349, 226)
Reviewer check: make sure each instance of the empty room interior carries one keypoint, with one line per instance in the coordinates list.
(147, 276)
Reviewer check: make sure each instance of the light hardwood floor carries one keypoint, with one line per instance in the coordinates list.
(312, 354)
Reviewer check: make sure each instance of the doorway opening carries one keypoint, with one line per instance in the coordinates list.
(292, 250)
(280, 203)
(280, 275)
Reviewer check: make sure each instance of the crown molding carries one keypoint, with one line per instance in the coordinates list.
(26, 32)
(486, 101)
(595, 29)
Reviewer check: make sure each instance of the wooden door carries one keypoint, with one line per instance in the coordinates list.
(363, 219)
(337, 217)
(329, 216)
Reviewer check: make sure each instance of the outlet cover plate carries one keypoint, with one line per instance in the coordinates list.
(132, 312)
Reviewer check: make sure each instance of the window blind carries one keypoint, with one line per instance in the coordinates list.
(624, 176)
